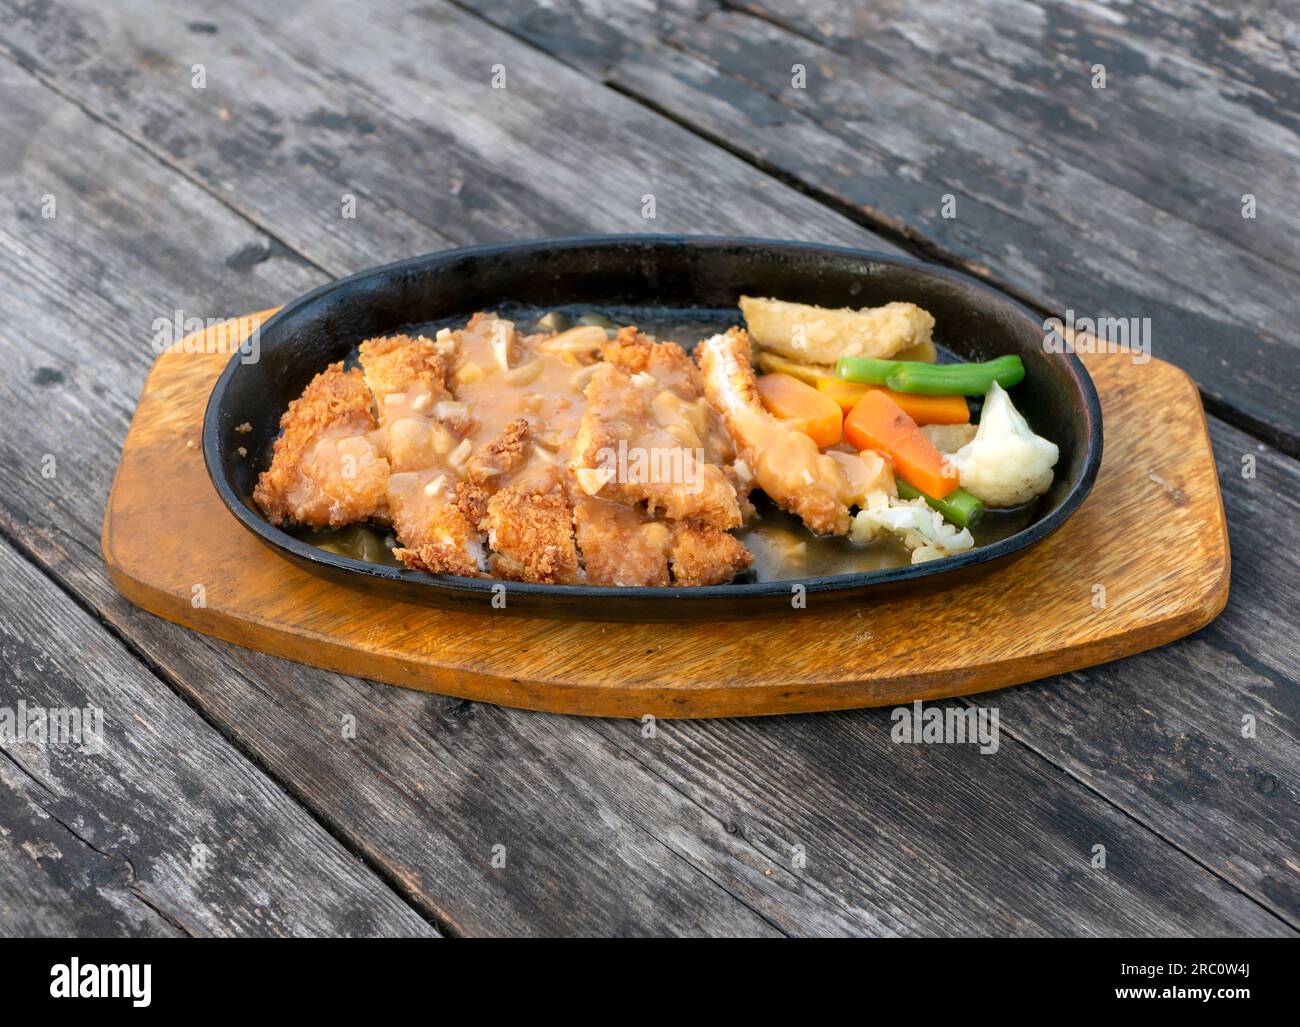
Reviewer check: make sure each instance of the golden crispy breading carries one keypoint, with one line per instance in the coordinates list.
(516, 500)
(443, 537)
(633, 351)
(397, 363)
(324, 470)
(622, 452)
(472, 502)
(706, 556)
(434, 518)
(782, 461)
(619, 546)
(438, 558)
(503, 453)
(531, 534)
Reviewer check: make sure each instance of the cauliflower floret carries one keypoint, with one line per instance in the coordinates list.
(1006, 464)
(921, 529)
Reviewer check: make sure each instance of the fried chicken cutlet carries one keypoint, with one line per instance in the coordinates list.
(649, 463)
(622, 545)
(478, 432)
(327, 468)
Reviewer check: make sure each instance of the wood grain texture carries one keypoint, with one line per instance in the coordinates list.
(1035, 618)
(1064, 194)
(161, 827)
(607, 831)
(433, 155)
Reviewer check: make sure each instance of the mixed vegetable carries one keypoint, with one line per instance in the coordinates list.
(867, 382)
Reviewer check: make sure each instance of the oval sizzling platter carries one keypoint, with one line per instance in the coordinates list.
(652, 280)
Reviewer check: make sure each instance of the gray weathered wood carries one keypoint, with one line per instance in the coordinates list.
(433, 155)
(625, 840)
(162, 827)
(1124, 201)
(1199, 105)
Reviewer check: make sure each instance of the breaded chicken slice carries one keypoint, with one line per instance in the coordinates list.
(783, 462)
(680, 398)
(325, 469)
(619, 546)
(434, 514)
(635, 352)
(530, 530)
(632, 447)
(401, 364)
(702, 555)
(505, 452)
(445, 539)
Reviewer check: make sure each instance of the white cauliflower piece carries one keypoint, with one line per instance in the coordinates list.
(1005, 464)
(921, 529)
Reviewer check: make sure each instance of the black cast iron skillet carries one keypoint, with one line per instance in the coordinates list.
(650, 278)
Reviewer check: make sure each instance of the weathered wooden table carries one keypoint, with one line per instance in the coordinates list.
(159, 157)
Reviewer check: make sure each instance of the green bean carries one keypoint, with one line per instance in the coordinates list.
(933, 379)
(959, 506)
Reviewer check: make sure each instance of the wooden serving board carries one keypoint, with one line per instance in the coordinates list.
(1144, 561)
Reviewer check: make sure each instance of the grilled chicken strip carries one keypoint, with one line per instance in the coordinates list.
(327, 469)
(785, 463)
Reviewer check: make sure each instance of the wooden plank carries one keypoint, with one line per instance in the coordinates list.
(433, 155)
(1045, 202)
(146, 820)
(1204, 736)
(1173, 586)
(1221, 91)
(595, 840)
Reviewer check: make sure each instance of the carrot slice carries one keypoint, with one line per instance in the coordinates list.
(846, 394)
(921, 409)
(877, 422)
(931, 409)
(803, 407)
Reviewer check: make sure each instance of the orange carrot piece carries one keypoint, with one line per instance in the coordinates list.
(921, 409)
(845, 393)
(932, 409)
(803, 407)
(877, 422)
